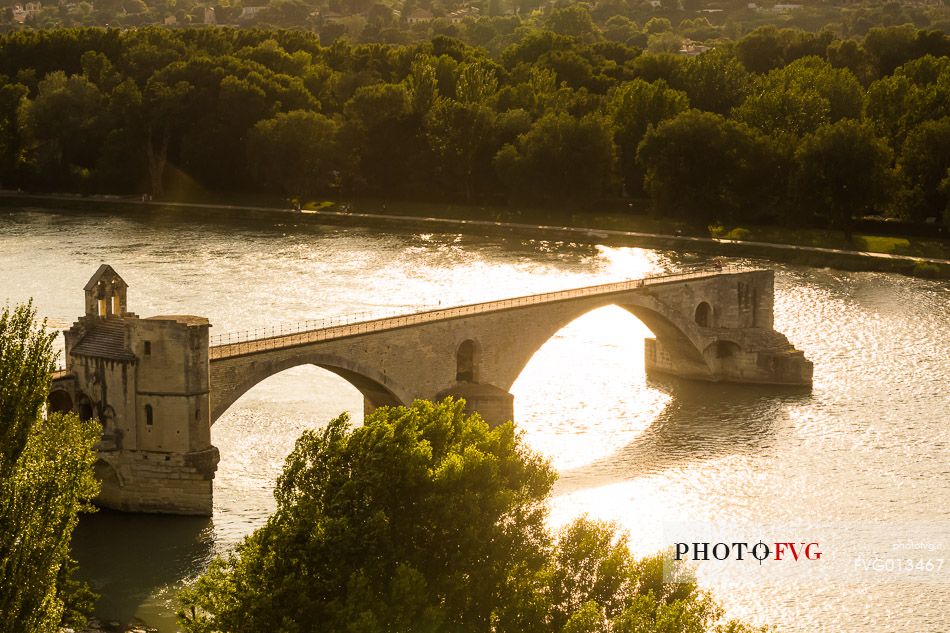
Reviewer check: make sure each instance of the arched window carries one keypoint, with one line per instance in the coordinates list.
(704, 315)
(149, 416)
(59, 401)
(465, 362)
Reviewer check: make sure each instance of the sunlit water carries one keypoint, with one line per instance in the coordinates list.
(868, 446)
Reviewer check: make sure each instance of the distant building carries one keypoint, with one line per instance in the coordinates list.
(210, 17)
(330, 17)
(419, 15)
(22, 12)
(456, 17)
(786, 8)
(249, 12)
(692, 49)
(171, 20)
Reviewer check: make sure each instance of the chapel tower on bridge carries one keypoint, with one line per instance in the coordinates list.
(146, 381)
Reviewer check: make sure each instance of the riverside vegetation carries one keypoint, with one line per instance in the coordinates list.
(778, 127)
(425, 520)
(46, 480)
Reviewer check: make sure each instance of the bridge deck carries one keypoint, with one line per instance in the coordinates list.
(240, 344)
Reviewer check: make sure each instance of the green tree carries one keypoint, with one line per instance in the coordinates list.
(63, 126)
(843, 170)
(923, 164)
(384, 134)
(657, 25)
(761, 50)
(286, 13)
(851, 55)
(714, 81)
(11, 96)
(620, 28)
(426, 520)
(294, 152)
(560, 158)
(702, 166)
(798, 98)
(889, 47)
(573, 21)
(635, 106)
(945, 190)
(476, 83)
(46, 479)
(918, 91)
(418, 520)
(422, 84)
(164, 105)
(460, 136)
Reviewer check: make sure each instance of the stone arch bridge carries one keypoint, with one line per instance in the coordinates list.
(158, 384)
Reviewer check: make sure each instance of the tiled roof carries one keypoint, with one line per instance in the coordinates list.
(106, 340)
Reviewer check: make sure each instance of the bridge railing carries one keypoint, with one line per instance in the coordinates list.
(249, 341)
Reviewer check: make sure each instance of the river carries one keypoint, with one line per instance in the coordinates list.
(860, 464)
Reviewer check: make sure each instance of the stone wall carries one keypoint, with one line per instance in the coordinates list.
(169, 483)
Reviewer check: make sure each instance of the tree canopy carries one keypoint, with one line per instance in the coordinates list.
(554, 117)
(426, 519)
(46, 479)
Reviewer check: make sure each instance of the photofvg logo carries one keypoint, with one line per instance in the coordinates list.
(740, 550)
(836, 552)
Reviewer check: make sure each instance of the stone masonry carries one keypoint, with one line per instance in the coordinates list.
(157, 387)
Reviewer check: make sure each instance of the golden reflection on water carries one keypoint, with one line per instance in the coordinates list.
(868, 443)
(587, 422)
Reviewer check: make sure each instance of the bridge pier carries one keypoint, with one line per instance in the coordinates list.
(494, 404)
(776, 363)
(157, 482)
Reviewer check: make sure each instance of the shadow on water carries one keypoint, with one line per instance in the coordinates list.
(702, 421)
(129, 559)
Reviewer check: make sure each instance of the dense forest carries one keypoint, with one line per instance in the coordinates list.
(781, 125)
(657, 24)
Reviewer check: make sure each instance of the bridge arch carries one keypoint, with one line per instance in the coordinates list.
(679, 336)
(226, 389)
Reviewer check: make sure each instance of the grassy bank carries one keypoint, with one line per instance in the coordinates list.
(812, 247)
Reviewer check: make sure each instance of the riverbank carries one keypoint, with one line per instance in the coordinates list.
(609, 229)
